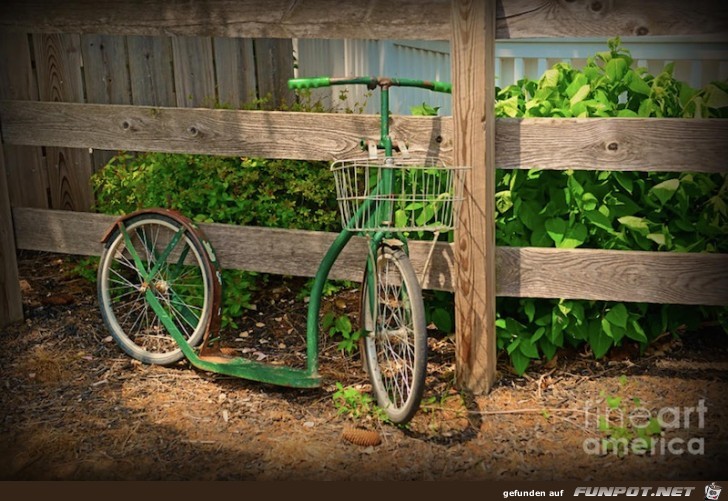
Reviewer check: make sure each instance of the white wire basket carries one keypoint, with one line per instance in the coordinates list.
(398, 194)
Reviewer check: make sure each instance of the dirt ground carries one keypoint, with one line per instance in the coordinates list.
(73, 406)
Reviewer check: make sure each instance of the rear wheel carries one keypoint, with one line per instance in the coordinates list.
(182, 284)
(395, 335)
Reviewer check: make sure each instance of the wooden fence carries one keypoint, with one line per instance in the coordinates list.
(160, 71)
(472, 266)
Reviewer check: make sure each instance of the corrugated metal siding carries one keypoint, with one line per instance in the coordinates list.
(697, 62)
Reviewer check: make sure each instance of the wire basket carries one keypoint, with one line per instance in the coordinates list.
(398, 195)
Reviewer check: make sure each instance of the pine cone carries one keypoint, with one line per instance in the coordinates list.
(361, 437)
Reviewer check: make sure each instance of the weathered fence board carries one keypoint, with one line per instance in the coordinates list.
(265, 250)
(58, 65)
(655, 144)
(308, 136)
(27, 177)
(473, 55)
(106, 77)
(366, 19)
(605, 275)
(150, 71)
(11, 303)
(235, 71)
(636, 276)
(194, 72)
(274, 66)
(645, 144)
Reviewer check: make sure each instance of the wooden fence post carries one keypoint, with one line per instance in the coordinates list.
(473, 67)
(11, 305)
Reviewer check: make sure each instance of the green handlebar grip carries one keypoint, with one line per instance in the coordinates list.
(442, 87)
(308, 83)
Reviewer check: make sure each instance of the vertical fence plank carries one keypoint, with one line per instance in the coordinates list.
(25, 167)
(150, 71)
(473, 74)
(274, 66)
(58, 63)
(235, 71)
(194, 72)
(11, 304)
(106, 77)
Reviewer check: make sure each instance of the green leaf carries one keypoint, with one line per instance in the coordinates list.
(424, 110)
(589, 202)
(665, 190)
(529, 215)
(637, 333)
(647, 107)
(618, 315)
(550, 78)
(716, 97)
(503, 201)
(575, 236)
(530, 309)
(598, 219)
(625, 180)
(637, 224)
(574, 185)
(579, 81)
(637, 84)
(654, 427)
(538, 334)
(400, 218)
(580, 95)
(622, 205)
(539, 238)
(520, 362)
(598, 340)
(509, 107)
(343, 325)
(613, 402)
(425, 216)
(547, 348)
(443, 320)
(658, 238)
(328, 320)
(686, 94)
(528, 348)
(556, 229)
(616, 69)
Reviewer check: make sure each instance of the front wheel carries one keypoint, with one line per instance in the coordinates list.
(182, 283)
(395, 335)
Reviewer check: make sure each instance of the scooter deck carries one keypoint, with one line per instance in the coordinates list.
(256, 371)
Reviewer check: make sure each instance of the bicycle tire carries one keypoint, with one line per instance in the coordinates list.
(395, 342)
(184, 288)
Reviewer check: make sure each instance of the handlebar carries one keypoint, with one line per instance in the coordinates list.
(370, 82)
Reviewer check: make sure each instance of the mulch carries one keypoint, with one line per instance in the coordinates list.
(74, 407)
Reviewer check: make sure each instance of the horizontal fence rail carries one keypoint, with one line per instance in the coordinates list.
(366, 19)
(304, 136)
(649, 144)
(656, 277)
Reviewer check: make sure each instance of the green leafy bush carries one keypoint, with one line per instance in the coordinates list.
(651, 211)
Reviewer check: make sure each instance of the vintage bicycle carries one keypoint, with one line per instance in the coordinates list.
(160, 286)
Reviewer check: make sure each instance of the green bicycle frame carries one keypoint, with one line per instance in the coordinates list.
(385, 186)
(280, 375)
